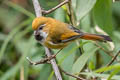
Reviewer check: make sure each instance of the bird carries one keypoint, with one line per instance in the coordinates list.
(55, 34)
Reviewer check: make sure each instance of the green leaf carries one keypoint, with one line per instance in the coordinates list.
(81, 61)
(65, 54)
(103, 15)
(113, 73)
(59, 14)
(107, 68)
(116, 77)
(117, 35)
(10, 36)
(21, 9)
(44, 72)
(85, 23)
(83, 7)
(12, 71)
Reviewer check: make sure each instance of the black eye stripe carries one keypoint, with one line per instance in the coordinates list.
(41, 26)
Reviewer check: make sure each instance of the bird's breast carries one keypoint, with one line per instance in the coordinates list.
(55, 46)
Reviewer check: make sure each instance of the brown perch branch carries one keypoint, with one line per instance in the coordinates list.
(113, 59)
(56, 7)
(69, 74)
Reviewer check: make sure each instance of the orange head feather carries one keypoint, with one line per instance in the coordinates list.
(38, 21)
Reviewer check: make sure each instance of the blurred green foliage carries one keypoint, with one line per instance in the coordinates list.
(17, 40)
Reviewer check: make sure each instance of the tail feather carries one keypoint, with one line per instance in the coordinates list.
(107, 38)
(95, 37)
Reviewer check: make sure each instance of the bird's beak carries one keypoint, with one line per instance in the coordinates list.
(36, 32)
(37, 35)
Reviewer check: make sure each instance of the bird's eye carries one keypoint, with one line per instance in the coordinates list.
(41, 26)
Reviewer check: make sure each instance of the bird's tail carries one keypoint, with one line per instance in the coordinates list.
(95, 37)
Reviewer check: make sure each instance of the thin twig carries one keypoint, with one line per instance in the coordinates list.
(44, 60)
(54, 65)
(38, 12)
(22, 73)
(71, 14)
(107, 52)
(77, 77)
(56, 7)
(114, 58)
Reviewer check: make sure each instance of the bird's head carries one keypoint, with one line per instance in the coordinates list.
(38, 22)
(38, 25)
(47, 28)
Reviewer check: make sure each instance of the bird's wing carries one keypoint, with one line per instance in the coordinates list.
(67, 36)
(75, 29)
(74, 37)
(71, 38)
